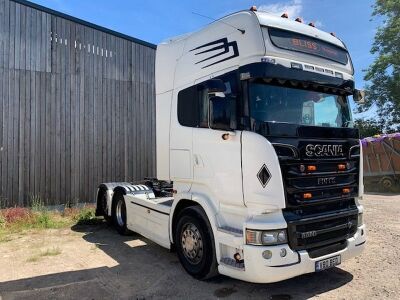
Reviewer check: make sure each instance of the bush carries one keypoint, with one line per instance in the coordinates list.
(16, 214)
(86, 216)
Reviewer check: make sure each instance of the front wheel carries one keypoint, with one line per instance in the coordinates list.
(119, 214)
(194, 241)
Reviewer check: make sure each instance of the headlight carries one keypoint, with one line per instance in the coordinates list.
(270, 237)
(360, 220)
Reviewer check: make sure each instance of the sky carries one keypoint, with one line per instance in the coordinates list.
(157, 20)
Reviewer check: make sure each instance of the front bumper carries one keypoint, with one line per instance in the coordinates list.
(295, 263)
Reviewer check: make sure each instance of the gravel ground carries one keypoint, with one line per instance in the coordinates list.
(97, 263)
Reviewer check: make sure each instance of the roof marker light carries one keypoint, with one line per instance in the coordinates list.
(311, 24)
(299, 20)
(253, 8)
(268, 60)
(339, 75)
(285, 15)
(297, 66)
(308, 67)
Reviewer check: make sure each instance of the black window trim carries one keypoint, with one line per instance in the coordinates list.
(235, 75)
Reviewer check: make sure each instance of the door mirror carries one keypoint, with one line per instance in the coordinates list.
(222, 113)
(359, 96)
(214, 86)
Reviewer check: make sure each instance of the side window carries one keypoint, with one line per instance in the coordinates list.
(188, 107)
(193, 102)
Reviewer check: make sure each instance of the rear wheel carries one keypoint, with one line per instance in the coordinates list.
(387, 184)
(103, 207)
(194, 242)
(119, 214)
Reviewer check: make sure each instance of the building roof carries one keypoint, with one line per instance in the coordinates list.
(85, 23)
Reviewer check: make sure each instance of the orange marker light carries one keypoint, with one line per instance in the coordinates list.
(285, 15)
(341, 167)
(253, 8)
(311, 168)
(307, 196)
(346, 191)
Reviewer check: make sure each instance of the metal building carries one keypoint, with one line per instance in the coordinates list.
(77, 106)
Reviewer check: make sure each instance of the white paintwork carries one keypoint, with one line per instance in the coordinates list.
(176, 67)
(149, 217)
(260, 270)
(256, 152)
(217, 173)
(163, 121)
(220, 175)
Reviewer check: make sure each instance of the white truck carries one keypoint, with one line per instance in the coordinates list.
(259, 170)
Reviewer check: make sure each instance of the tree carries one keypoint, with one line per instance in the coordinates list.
(368, 127)
(383, 76)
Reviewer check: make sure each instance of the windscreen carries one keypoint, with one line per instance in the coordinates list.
(298, 42)
(271, 103)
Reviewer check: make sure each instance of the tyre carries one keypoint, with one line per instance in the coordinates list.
(102, 207)
(194, 241)
(119, 214)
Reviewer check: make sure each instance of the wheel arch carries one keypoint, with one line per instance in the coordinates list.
(189, 200)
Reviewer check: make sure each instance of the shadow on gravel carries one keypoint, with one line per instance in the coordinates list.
(145, 270)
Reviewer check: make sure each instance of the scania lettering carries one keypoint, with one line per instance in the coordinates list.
(259, 171)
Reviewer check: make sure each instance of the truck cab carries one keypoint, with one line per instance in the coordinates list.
(259, 171)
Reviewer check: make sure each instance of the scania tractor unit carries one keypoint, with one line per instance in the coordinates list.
(259, 171)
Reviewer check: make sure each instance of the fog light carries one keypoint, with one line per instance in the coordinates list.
(283, 252)
(267, 254)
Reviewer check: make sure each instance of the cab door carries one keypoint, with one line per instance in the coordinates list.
(217, 167)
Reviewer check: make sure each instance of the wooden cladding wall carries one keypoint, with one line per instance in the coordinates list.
(77, 107)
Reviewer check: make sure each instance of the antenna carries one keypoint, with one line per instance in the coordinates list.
(241, 30)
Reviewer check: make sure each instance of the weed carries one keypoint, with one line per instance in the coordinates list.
(17, 219)
(16, 214)
(37, 203)
(51, 252)
(94, 247)
(2, 221)
(86, 216)
(54, 251)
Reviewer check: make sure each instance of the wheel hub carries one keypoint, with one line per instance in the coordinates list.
(192, 243)
(120, 213)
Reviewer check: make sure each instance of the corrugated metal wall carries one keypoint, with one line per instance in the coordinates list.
(77, 107)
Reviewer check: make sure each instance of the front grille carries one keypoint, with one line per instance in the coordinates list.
(326, 184)
(323, 230)
(329, 216)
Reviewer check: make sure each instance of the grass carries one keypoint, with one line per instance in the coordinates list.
(48, 252)
(38, 217)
